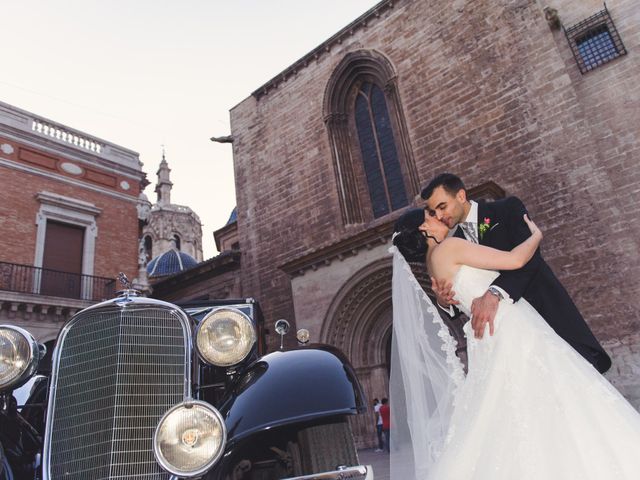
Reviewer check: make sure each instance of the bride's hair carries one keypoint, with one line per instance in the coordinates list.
(410, 241)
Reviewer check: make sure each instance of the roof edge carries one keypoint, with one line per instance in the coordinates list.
(360, 22)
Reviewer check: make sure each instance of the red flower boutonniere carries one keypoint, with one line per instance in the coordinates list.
(484, 227)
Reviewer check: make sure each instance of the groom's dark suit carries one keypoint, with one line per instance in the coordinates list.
(535, 281)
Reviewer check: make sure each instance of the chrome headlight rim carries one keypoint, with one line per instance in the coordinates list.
(211, 317)
(164, 463)
(31, 361)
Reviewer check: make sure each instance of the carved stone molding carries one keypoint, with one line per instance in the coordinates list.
(71, 211)
(360, 314)
(377, 234)
(486, 191)
(355, 68)
(350, 246)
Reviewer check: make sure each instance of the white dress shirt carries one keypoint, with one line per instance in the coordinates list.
(472, 216)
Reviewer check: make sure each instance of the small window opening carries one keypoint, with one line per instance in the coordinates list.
(595, 41)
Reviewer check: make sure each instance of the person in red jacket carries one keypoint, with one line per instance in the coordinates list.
(385, 413)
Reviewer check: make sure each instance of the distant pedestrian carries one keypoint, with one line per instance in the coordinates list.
(386, 423)
(376, 410)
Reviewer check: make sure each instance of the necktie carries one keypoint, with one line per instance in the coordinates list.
(469, 229)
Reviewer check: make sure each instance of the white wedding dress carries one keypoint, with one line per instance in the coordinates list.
(531, 407)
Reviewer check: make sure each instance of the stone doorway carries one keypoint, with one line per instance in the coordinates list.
(359, 322)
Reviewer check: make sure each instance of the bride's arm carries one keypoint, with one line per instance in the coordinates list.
(463, 252)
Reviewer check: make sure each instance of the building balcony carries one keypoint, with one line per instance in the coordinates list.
(36, 295)
(52, 283)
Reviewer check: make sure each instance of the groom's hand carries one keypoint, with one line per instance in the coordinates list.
(483, 311)
(444, 293)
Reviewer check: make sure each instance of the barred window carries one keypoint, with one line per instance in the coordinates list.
(595, 41)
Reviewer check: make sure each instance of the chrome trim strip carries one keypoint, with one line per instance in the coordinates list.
(359, 472)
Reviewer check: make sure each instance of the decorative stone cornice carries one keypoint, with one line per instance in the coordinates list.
(227, 230)
(487, 191)
(222, 263)
(67, 203)
(379, 234)
(29, 305)
(369, 238)
(362, 21)
(67, 141)
(174, 208)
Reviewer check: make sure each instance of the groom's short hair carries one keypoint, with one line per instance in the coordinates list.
(450, 182)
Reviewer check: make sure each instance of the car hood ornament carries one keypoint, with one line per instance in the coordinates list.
(124, 281)
(127, 290)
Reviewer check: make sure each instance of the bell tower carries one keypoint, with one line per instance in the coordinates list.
(163, 187)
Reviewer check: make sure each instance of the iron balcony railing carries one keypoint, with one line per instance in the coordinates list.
(42, 281)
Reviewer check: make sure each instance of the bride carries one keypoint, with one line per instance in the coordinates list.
(530, 406)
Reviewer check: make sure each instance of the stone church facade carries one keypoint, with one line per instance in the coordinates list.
(332, 150)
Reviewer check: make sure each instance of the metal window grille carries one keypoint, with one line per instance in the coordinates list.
(595, 41)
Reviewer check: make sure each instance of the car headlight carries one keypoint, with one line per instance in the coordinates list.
(189, 439)
(19, 356)
(225, 337)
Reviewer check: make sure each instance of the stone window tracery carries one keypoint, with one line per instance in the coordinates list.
(373, 162)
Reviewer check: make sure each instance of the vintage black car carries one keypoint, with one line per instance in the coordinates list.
(143, 389)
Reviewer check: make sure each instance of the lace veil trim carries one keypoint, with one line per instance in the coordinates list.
(425, 377)
(449, 344)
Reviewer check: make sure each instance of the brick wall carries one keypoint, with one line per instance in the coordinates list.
(490, 92)
(625, 371)
(117, 240)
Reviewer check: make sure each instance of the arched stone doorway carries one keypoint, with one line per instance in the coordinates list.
(359, 322)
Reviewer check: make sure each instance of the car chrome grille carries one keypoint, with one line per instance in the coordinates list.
(118, 371)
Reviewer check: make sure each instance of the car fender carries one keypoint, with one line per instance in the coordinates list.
(286, 387)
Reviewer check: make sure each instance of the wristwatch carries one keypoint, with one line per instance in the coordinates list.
(494, 291)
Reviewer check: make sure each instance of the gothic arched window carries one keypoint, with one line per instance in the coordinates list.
(378, 150)
(373, 162)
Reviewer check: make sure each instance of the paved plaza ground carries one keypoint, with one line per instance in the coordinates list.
(378, 460)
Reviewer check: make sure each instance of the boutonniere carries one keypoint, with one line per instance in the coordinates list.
(484, 227)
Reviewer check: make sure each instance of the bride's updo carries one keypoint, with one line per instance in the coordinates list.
(410, 241)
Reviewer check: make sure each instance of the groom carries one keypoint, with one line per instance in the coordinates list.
(500, 225)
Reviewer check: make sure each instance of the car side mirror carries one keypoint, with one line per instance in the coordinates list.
(282, 327)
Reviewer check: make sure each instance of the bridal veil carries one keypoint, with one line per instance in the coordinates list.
(425, 373)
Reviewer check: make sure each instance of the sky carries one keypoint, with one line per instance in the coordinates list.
(147, 73)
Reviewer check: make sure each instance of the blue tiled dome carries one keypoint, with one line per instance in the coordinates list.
(170, 262)
(234, 216)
